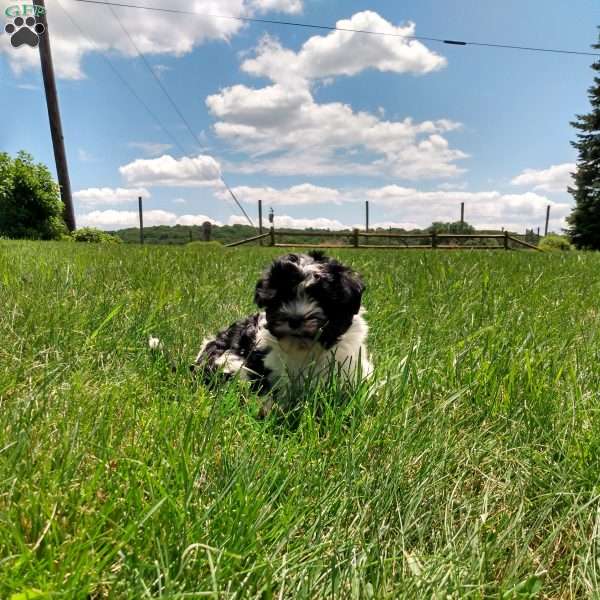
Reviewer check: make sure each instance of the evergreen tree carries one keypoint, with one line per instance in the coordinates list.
(584, 221)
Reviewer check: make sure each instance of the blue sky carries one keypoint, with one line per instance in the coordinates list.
(312, 122)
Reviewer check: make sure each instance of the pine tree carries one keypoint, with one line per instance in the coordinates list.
(584, 221)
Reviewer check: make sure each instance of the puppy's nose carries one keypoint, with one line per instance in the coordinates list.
(295, 322)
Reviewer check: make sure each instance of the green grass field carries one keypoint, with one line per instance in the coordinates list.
(474, 472)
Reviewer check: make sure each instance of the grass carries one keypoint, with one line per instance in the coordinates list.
(474, 472)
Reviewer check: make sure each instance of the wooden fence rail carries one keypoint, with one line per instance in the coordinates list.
(355, 235)
(248, 240)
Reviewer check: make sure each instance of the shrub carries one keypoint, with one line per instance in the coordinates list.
(30, 204)
(554, 242)
(94, 236)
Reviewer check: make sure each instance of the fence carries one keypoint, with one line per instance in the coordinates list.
(433, 241)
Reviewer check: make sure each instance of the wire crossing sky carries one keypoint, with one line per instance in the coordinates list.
(332, 28)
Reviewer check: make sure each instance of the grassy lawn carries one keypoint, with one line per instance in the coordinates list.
(473, 472)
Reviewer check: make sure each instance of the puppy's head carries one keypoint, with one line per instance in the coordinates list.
(309, 297)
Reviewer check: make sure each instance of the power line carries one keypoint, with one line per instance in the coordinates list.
(174, 105)
(124, 81)
(138, 97)
(347, 29)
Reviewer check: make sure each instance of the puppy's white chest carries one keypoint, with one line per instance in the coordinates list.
(291, 358)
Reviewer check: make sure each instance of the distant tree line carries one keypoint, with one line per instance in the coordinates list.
(225, 234)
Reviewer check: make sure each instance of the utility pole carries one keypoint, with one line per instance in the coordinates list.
(462, 213)
(260, 223)
(141, 220)
(58, 142)
(366, 216)
(547, 220)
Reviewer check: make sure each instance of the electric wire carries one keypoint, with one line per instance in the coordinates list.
(174, 105)
(125, 82)
(346, 29)
(131, 89)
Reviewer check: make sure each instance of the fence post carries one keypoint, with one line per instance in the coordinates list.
(433, 239)
(206, 230)
(272, 232)
(355, 238)
(141, 220)
(506, 240)
(547, 220)
(260, 222)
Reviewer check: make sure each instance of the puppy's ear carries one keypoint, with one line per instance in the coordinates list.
(263, 294)
(353, 287)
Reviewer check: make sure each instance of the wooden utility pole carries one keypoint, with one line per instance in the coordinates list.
(260, 223)
(141, 220)
(58, 142)
(462, 213)
(547, 220)
(366, 216)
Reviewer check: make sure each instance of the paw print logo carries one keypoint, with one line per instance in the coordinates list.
(24, 31)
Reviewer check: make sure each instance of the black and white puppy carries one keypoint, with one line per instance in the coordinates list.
(310, 320)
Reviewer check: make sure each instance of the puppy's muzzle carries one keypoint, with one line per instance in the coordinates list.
(296, 326)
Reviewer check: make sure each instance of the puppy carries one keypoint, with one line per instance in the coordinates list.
(310, 321)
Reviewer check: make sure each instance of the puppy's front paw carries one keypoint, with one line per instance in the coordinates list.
(266, 408)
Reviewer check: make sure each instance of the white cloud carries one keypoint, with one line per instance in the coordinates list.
(116, 219)
(119, 219)
(84, 155)
(410, 208)
(553, 179)
(459, 185)
(291, 133)
(296, 195)
(151, 148)
(160, 70)
(287, 222)
(95, 196)
(154, 33)
(486, 208)
(31, 87)
(202, 170)
(285, 6)
(195, 220)
(346, 52)
(391, 206)
(179, 200)
(286, 131)
(392, 224)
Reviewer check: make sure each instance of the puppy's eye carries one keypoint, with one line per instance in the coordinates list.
(316, 276)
